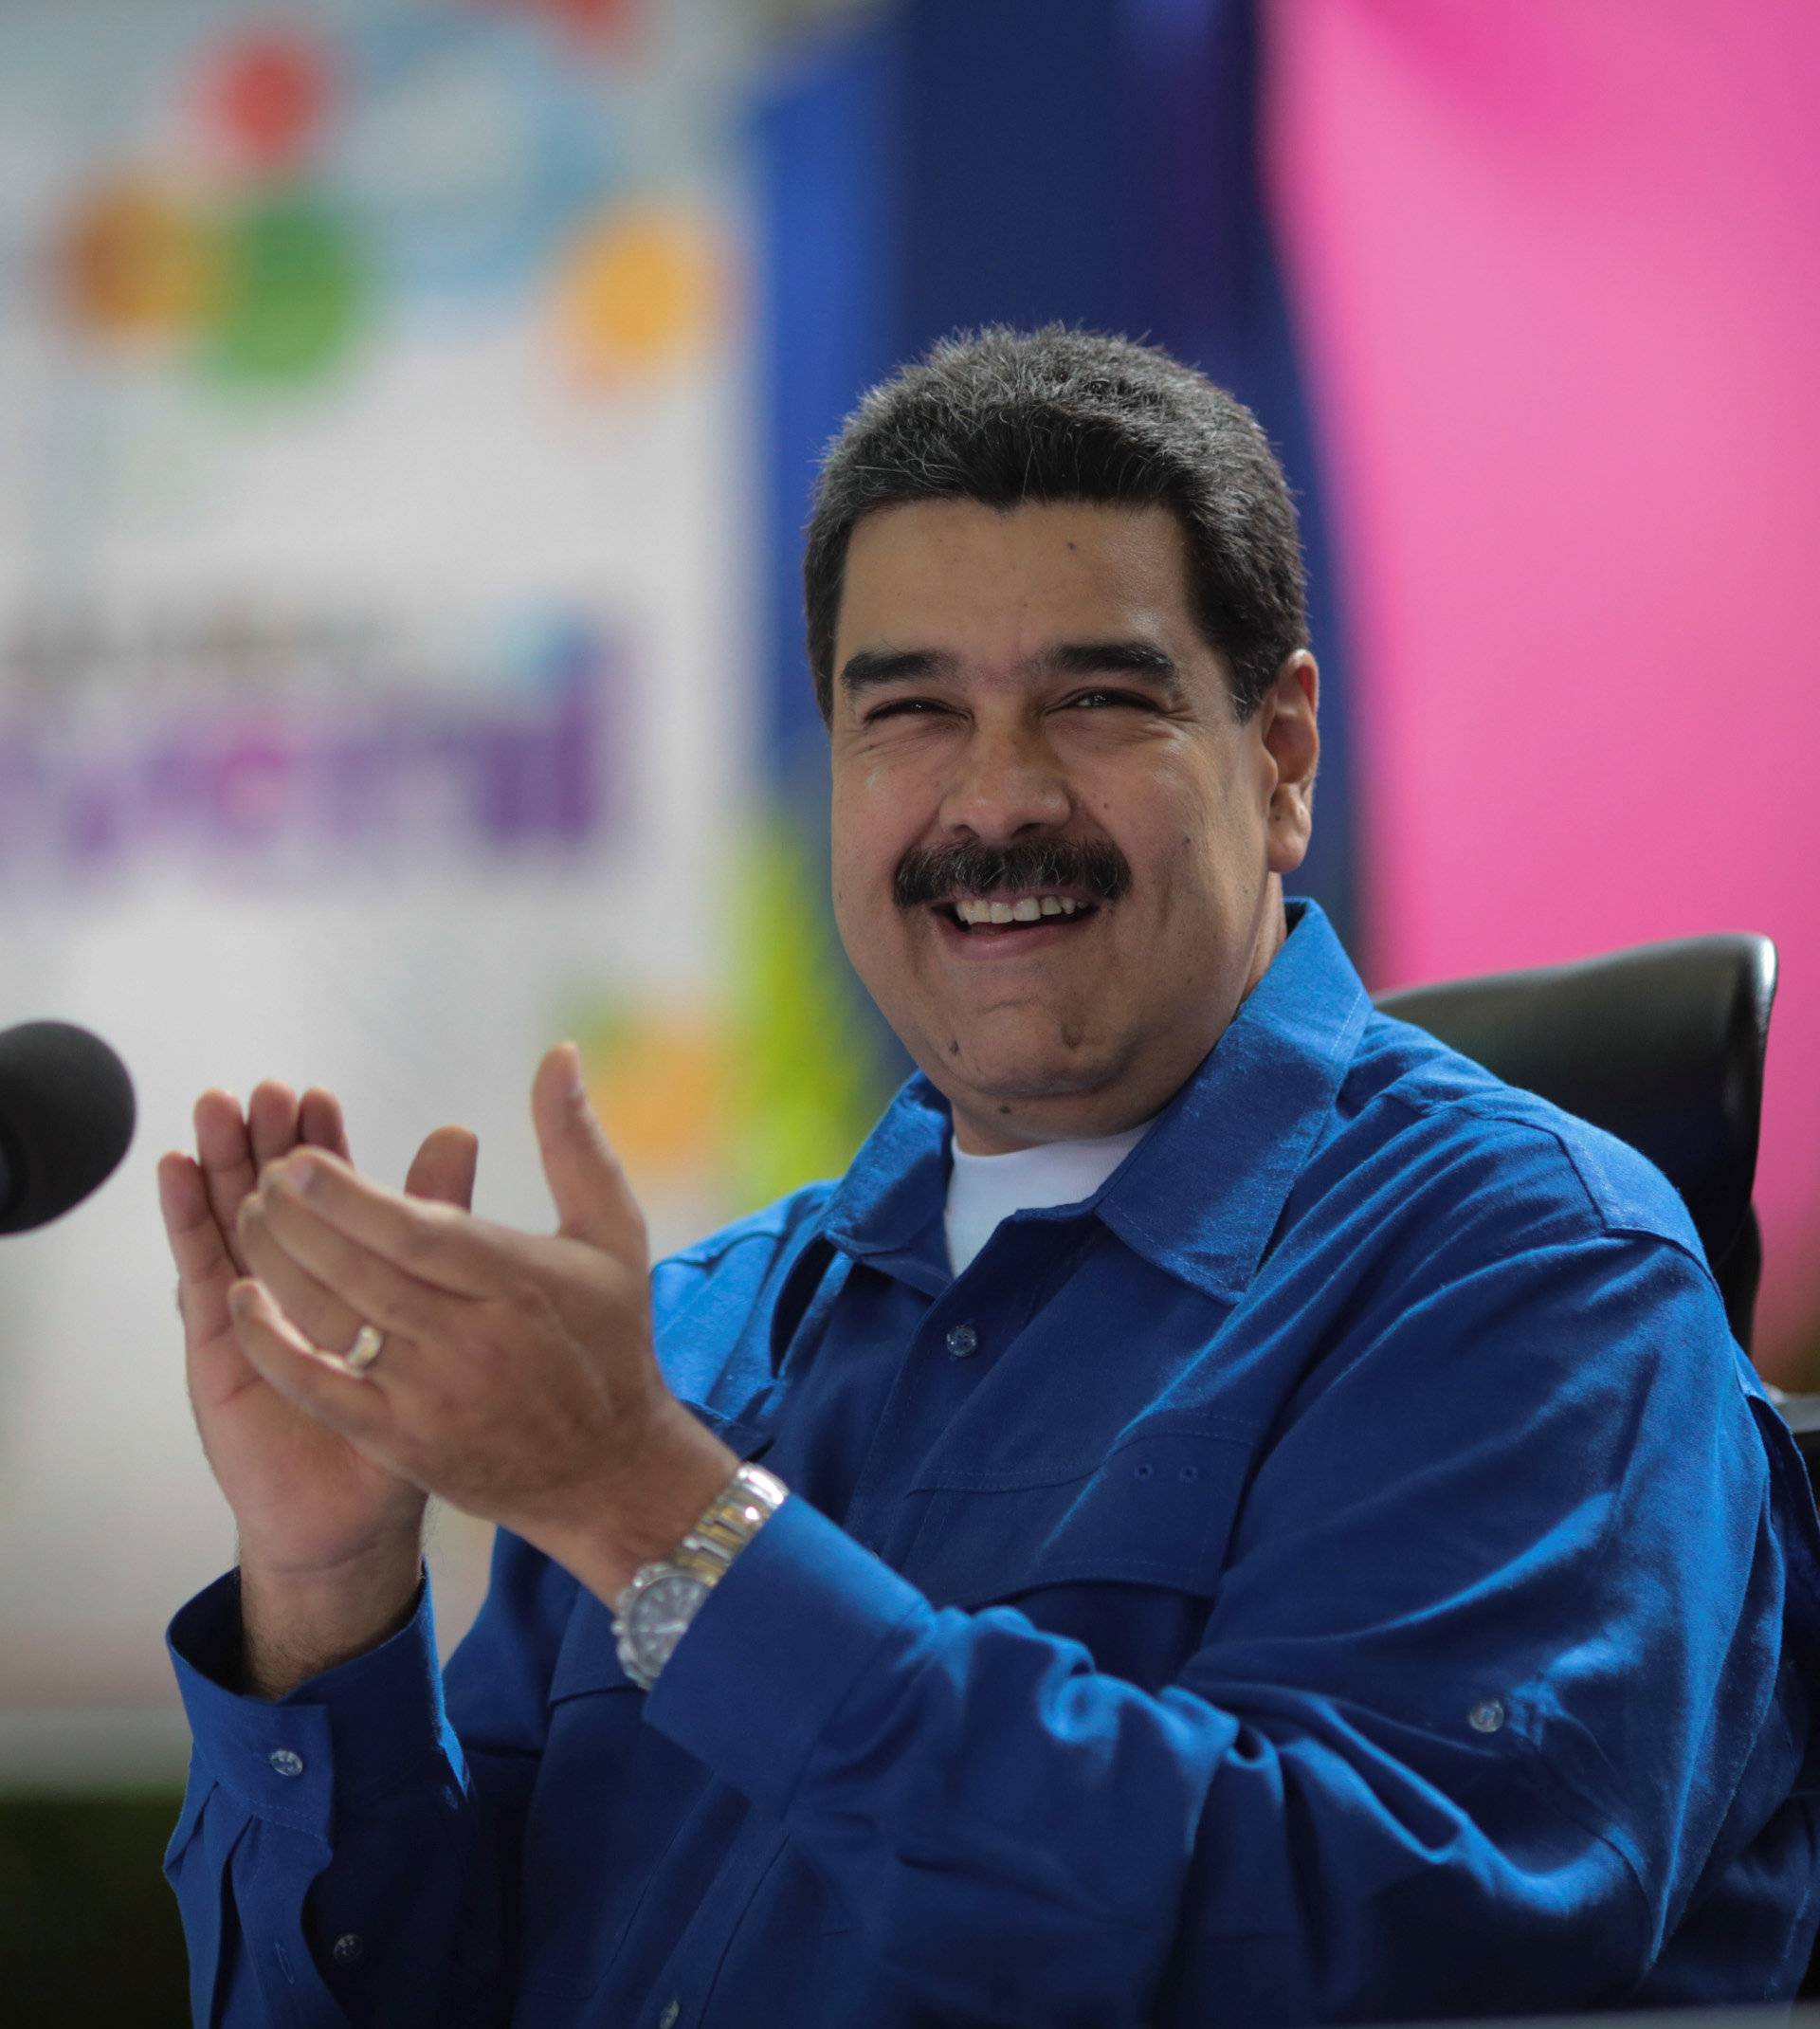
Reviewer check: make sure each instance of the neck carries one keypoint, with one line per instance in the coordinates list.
(971, 1142)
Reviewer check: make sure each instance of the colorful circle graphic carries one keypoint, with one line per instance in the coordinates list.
(293, 289)
(265, 97)
(137, 261)
(640, 292)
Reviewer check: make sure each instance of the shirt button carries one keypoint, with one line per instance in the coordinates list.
(286, 1763)
(1487, 1717)
(348, 1950)
(963, 1341)
(672, 2010)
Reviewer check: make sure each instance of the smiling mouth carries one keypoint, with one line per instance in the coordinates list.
(1006, 916)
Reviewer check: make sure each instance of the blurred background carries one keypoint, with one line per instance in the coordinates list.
(407, 412)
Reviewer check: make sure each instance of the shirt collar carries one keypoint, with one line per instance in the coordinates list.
(895, 1186)
(1201, 1194)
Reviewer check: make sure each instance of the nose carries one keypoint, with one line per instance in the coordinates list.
(1005, 780)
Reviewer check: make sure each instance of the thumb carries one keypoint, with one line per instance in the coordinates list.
(444, 1168)
(594, 1200)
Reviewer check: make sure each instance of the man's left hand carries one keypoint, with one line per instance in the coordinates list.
(516, 1377)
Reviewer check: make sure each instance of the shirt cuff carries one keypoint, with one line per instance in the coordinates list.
(348, 1734)
(801, 1613)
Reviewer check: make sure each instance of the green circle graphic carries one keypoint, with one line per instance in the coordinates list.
(293, 292)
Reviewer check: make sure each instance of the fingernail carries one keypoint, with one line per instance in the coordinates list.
(295, 1174)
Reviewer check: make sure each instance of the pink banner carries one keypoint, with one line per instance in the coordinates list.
(1558, 270)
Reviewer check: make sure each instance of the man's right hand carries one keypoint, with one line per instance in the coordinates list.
(327, 1537)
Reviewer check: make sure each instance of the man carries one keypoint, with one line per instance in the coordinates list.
(1225, 1513)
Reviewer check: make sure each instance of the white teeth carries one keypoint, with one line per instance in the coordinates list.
(1027, 908)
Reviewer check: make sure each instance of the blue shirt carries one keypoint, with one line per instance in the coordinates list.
(1343, 1568)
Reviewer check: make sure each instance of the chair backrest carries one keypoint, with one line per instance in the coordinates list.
(1659, 1044)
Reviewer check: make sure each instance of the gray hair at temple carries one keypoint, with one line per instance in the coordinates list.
(1005, 417)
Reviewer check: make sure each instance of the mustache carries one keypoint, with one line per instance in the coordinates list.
(938, 873)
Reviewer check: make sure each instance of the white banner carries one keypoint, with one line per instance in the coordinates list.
(373, 674)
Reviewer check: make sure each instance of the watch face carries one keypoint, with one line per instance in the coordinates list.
(661, 1615)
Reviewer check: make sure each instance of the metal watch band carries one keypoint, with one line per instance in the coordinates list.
(726, 1526)
(732, 1519)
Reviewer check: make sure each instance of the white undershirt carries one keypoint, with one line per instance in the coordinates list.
(983, 1190)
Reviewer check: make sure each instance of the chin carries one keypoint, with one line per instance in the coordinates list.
(1021, 1078)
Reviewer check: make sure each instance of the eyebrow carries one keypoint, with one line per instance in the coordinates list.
(1102, 658)
(867, 669)
(870, 668)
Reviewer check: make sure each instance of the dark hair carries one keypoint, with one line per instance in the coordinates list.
(1005, 416)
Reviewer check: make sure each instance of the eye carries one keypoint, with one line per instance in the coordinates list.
(1094, 699)
(901, 707)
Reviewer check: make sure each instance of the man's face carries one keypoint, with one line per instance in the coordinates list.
(1025, 713)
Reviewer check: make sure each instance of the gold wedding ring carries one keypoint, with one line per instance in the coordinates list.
(365, 1349)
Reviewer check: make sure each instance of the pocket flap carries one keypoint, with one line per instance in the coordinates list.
(1156, 1510)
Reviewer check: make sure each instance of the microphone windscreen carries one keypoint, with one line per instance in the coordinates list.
(66, 1115)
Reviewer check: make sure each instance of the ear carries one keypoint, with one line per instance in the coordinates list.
(1291, 739)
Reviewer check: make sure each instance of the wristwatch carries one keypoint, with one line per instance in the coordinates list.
(653, 1613)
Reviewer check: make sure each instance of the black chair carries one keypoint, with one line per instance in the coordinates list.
(1661, 1045)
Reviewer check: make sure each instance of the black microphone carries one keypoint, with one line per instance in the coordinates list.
(66, 1116)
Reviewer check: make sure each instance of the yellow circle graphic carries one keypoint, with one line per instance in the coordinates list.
(639, 292)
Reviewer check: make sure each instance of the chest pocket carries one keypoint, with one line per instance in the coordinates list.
(1156, 1510)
